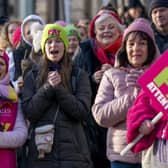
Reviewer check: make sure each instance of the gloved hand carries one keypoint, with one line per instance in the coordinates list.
(105, 67)
(132, 77)
(97, 76)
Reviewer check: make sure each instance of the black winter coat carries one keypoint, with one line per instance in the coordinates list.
(19, 54)
(70, 149)
(161, 41)
(87, 60)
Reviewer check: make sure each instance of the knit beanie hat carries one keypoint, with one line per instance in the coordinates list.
(157, 3)
(92, 23)
(72, 31)
(34, 18)
(5, 57)
(16, 36)
(134, 4)
(53, 30)
(140, 24)
(61, 22)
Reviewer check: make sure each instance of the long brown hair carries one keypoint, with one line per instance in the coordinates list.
(65, 71)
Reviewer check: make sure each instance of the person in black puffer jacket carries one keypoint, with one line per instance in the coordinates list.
(47, 94)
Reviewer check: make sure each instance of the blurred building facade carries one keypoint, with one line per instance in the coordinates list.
(50, 10)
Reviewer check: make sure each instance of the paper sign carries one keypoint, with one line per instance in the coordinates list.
(155, 83)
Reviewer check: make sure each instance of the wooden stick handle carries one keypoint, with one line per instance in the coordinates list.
(131, 144)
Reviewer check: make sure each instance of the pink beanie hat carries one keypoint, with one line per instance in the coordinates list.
(61, 22)
(140, 24)
(5, 57)
(16, 36)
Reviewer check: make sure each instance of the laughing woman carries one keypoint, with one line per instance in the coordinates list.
(50, 97)
(96, 55)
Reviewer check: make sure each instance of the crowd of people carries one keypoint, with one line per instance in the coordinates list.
(69, 95)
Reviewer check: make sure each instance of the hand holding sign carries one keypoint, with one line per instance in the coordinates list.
(130, 145)
(155, 83)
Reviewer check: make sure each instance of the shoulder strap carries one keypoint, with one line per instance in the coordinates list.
(74, 78)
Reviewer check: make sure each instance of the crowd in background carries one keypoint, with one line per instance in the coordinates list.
(69, 95)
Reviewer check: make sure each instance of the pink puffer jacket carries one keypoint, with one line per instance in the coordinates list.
(112, 102)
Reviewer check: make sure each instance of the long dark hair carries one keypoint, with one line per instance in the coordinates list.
(65, 71)
(122, 58)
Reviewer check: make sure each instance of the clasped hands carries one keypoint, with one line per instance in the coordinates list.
(54, 78)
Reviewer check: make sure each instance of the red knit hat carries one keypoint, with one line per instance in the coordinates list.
(5, 57)
(16, 36)
(92, 23)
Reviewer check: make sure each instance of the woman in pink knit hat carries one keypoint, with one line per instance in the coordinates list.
(118, 89)
(154, 144)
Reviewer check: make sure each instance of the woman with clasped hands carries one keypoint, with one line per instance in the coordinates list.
(48, 95)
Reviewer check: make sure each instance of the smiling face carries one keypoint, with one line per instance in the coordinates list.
(107, 31)
(2, 68)
(54, 49)
(137, 50)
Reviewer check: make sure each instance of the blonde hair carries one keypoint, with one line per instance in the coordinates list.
(4, 40)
